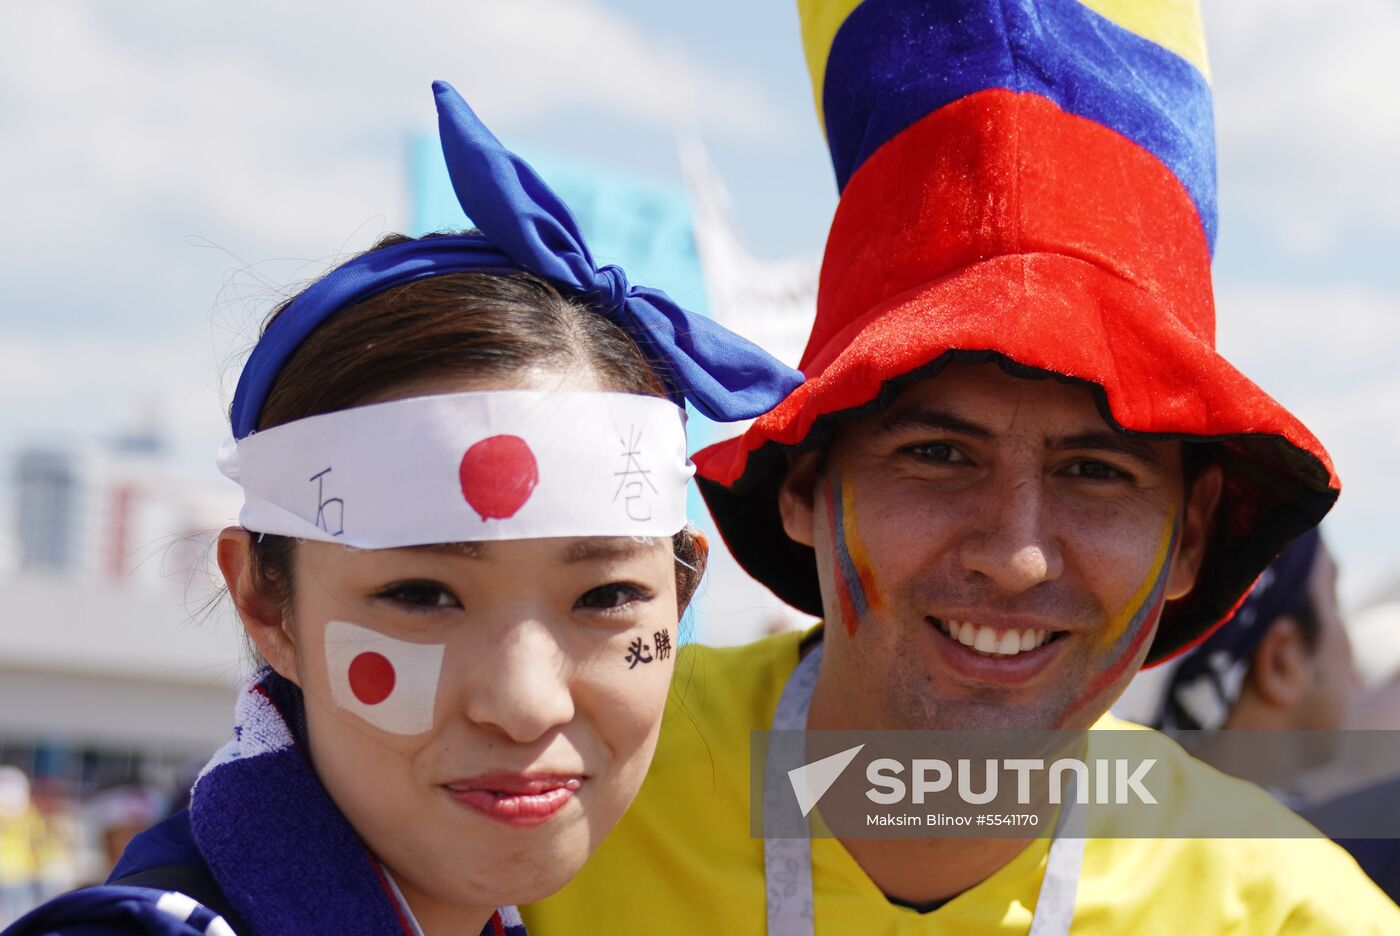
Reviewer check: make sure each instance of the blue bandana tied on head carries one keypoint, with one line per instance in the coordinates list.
(525, 227)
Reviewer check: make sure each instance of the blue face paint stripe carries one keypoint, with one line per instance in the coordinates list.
(844, 563)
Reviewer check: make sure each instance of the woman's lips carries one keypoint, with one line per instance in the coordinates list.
(516, 799)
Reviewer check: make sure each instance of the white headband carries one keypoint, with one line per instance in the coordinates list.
(467, 467)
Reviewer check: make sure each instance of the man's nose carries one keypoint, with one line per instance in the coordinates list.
(1008, 541)
(520, 685)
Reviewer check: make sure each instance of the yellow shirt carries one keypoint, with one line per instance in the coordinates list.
(682, 861)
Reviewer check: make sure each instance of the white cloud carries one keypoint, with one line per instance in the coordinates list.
(280, 128)
(1305, 97)
(136, 133)
(1311, 339)
(78, 390)
(1328, 353)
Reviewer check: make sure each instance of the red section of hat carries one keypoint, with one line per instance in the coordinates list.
(498, 475)
(1075, 251)
(372, 677)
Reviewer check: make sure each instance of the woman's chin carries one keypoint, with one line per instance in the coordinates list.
(511, 865)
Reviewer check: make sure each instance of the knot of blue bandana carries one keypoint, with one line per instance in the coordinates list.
(525, 226)
(611, 287)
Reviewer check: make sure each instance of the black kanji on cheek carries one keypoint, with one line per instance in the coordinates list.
(638, 652)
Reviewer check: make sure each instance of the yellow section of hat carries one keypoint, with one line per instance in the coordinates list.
(1172, 24)
(820, 20)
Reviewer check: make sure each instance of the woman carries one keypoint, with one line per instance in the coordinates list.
(462, 557)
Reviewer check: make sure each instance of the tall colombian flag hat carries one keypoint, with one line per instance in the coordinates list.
(1030, 182)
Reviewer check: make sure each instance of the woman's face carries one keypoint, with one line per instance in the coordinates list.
(483, 714)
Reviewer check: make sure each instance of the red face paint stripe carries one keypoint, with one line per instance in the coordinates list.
(855, 548)
(1143, 620)
(1108, 676)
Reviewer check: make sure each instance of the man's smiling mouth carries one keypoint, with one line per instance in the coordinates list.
(992, 642)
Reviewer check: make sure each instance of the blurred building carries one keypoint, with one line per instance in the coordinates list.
(116, 664)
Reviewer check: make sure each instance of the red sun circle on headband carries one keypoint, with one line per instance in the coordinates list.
(498, 475)
(372, 677)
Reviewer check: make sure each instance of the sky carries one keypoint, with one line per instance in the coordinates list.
(168, 171)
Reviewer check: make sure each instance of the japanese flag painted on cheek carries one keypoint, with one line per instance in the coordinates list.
(392, 684)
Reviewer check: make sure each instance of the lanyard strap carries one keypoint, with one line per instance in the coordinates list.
(787, 862)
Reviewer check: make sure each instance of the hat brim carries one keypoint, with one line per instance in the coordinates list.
(1150, 374)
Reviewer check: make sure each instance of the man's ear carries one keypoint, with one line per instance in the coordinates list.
(261, 614)
(797, 497)
(1201, 504)
(1281, 668)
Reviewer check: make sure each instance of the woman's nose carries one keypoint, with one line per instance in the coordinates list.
(519, 686)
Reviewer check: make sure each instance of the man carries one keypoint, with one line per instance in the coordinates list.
(1017, 470)
(1281, 662)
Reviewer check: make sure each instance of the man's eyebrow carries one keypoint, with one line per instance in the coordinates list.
(599, 548)
(1107, 441)
(937, 420)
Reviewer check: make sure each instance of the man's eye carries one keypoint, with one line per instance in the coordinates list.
(936, 452)
(1095, 471)
(420, 596)
(611, 597)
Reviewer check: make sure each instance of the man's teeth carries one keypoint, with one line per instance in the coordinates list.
(985, 639)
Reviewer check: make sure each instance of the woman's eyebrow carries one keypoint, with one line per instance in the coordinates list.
(460, 550)
(598, 548)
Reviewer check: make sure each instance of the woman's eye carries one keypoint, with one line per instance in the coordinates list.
(420, 596)
(612, 597)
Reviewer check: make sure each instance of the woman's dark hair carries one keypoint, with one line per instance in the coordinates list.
(458, 325)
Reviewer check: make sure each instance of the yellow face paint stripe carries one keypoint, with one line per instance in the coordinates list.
(1130, 610)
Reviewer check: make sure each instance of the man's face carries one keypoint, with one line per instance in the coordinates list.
(1329, 694)
(992, 554)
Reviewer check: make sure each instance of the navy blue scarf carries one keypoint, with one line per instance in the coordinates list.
(282, 854)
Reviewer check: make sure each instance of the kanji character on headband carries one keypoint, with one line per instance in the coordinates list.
(463, 557)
